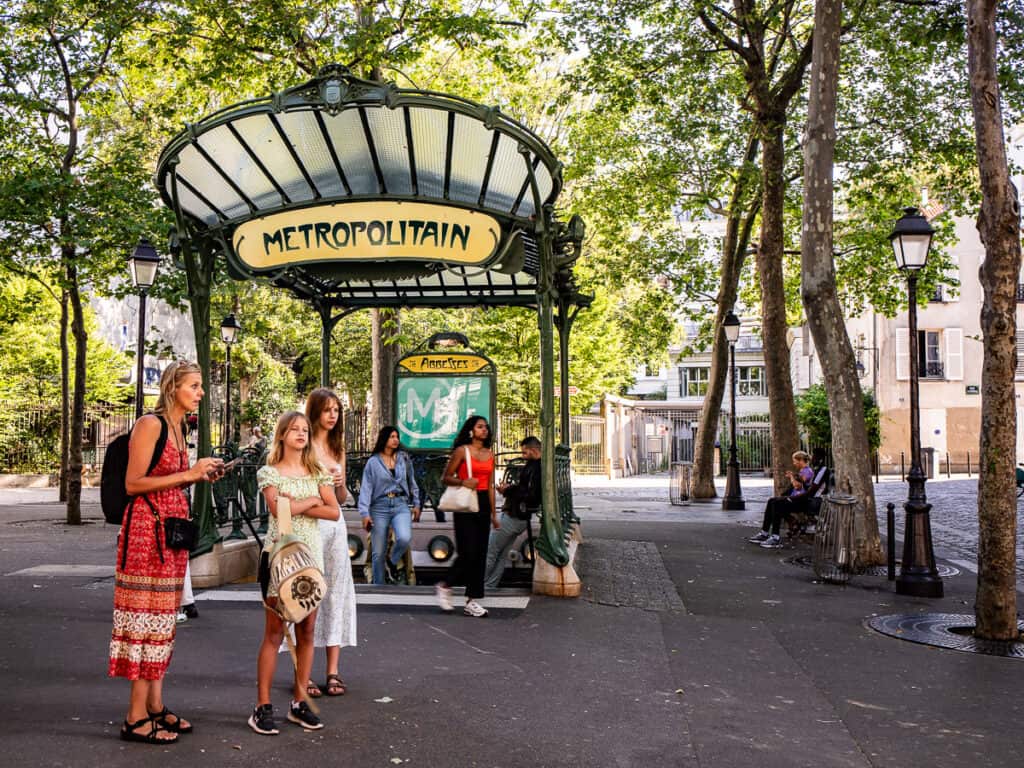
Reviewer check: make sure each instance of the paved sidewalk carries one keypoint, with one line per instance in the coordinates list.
(689, 647)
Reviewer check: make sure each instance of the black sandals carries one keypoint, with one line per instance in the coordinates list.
(128, 732)
(160, 718)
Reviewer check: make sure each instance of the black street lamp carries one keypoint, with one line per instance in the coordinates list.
(733, 498)
(229, 329)
(143, 264)
(911, 239)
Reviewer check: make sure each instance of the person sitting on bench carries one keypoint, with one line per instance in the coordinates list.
(815, 492)
(780, 507)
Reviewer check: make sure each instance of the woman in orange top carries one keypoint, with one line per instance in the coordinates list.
(472, 529)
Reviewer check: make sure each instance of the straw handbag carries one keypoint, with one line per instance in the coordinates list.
(459, 498)
(294, 573)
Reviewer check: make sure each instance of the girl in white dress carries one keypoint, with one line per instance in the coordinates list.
(336, 619)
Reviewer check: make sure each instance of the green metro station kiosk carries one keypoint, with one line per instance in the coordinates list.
(355, 194)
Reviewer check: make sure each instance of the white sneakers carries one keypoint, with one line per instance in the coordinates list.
(444, 601)
(444, 598)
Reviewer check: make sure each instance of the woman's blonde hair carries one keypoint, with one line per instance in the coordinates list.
(802, 455)
(308, 458)
(172, 377)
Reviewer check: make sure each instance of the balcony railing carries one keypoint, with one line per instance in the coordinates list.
(933, 371)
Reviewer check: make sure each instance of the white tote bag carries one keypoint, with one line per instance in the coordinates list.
(459, 498)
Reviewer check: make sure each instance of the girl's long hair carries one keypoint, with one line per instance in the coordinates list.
(465, 436)
(308, 458)
(318, 401)
(172, 377)
(382, 439)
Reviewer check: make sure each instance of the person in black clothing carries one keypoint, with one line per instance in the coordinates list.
(522, 501)
(791, 502)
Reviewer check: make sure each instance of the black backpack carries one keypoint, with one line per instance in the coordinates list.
(113, 497)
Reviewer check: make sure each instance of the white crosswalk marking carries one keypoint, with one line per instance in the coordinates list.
(516, 602)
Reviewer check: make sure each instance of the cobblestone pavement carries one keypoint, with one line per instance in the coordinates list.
(627, 573)
(954, 515)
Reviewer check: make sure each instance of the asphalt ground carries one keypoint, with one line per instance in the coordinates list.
(689, 647)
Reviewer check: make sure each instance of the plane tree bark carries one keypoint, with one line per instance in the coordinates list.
(850, 449)
(999, 226)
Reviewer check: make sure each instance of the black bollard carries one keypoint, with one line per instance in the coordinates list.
(903, 468)
(890, 538)
(968, 463)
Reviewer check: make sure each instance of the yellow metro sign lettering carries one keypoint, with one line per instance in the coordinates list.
(364, 231)
(444, 363)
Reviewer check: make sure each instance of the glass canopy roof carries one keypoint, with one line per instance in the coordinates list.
(316, 149)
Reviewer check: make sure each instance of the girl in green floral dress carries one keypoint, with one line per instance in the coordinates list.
(292, 471)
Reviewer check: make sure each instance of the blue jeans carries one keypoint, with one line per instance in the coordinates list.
(385, 513)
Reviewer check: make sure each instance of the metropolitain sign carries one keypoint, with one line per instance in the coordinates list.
(367, 231)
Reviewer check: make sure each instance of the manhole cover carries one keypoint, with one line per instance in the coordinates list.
(945, 630)
(807, 561)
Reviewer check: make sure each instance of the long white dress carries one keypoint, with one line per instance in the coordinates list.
(336, 617)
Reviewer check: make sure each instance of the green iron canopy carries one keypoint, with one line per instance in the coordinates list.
(357, 192)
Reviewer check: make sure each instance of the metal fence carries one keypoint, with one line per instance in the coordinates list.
(586, 433)
(30, 435)
(662, 436)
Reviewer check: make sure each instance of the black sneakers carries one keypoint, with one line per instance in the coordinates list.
(302, 715)
(262, 720)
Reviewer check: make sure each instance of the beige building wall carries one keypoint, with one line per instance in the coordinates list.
(950, 398)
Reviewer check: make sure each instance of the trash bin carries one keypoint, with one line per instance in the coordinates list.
(928, 462)
(835, 546)
(679, 483)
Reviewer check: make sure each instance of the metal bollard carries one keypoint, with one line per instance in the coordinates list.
(949, 467)
(890, 538)
(903, 468)
(968, 463)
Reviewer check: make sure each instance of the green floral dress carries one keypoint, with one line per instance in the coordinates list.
(306, 528)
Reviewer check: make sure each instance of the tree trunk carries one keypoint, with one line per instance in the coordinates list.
(774, 328)
(850, 450)
(386, 324)
(999, 226)
(734, 252)
(65, 395)
(78, 332)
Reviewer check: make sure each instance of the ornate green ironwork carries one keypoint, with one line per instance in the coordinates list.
(216, 177)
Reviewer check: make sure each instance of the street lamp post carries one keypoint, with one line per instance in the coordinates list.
(143, 264)
(733, 498)
(911, 239)
(229, 329)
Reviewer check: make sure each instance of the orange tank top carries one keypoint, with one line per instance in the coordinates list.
(482, 470)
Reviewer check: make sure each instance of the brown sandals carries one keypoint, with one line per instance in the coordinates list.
(335, 686)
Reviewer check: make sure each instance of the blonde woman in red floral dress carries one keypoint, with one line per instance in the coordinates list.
(149, 575)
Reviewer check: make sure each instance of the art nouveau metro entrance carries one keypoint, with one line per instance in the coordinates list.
(356, 194)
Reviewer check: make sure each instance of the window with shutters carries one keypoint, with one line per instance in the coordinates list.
(940, 354)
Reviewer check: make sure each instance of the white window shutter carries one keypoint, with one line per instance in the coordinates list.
(902, 354)
(954, 354)
(1020, 350)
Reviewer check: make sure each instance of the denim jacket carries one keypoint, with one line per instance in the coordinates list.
(378, 482)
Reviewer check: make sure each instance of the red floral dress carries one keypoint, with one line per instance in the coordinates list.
(147, 590)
